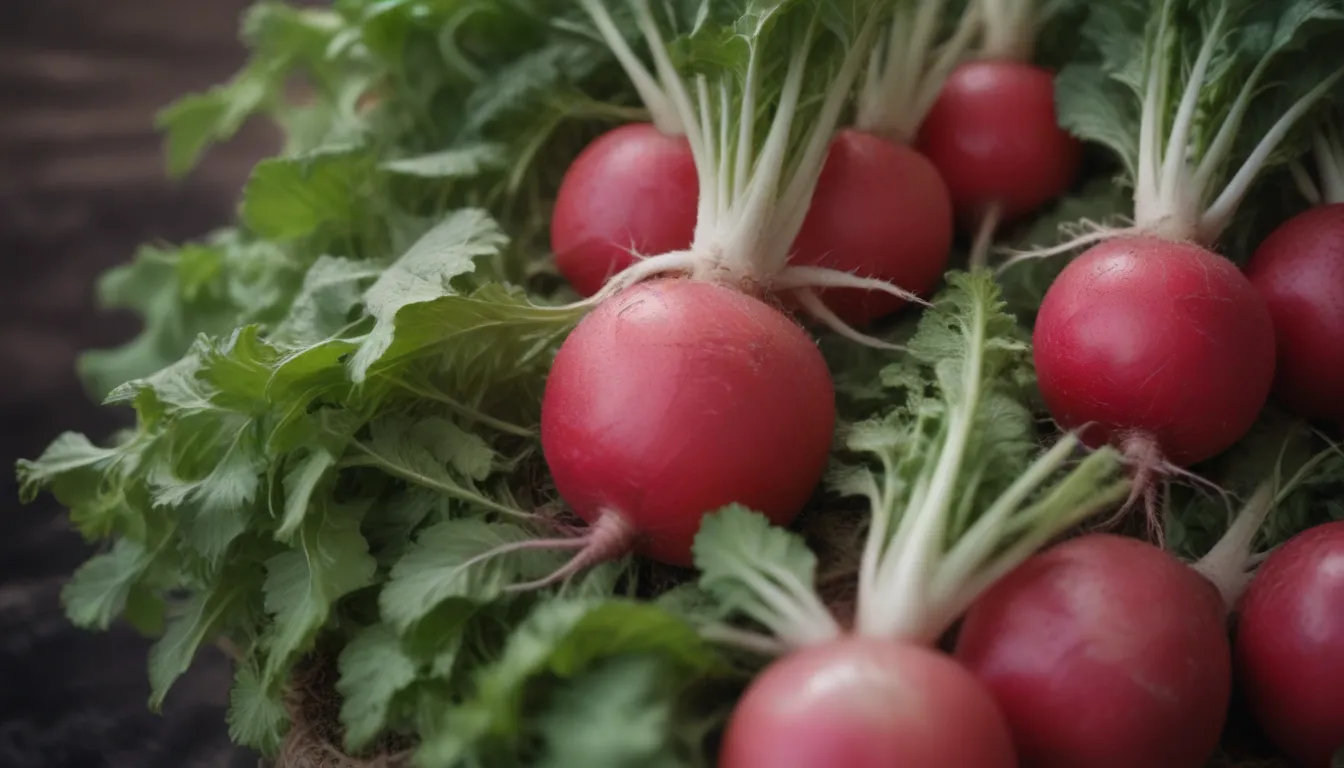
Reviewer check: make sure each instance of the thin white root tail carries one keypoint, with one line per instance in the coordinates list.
(815, 307)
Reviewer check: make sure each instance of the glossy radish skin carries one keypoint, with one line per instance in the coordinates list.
(1104, 652)
(1289, 650)
(880, 210)
(633, 189)
(1299, 270)
(994, 137)
(1151, 338)
(677, 397)
(866, 703)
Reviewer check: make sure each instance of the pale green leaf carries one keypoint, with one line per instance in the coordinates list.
(374, 668)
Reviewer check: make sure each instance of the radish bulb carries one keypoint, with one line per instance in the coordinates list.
(993, 133)
(1109, 652)
(1299, 271)
(1289, 648)
(633, 190)
(1150, 341)
(881, 210)
(952, 510)
(683, 391)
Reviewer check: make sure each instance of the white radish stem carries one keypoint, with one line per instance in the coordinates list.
(818, 309)
(905, 75)
(1010, 30)
(1226, 565)
(1329, 148)
(651, 92)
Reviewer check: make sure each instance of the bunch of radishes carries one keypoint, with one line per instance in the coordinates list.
(688, 389)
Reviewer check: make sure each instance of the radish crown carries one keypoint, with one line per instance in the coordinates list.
(1198, 99)
(957, 494)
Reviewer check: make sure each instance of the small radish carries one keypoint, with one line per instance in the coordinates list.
(683, 390)
(1289, 647)
(1150, 339)
(952, 511)
(1299, 270)
(636, 402)
(1107, 652)
(881, 209)
(632, 191)
(993, 133)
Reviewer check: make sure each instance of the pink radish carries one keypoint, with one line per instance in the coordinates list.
(880, 695)
(994, 138)
(866, 703)
(993, 133)
(1299, 270)
(1289, 649)
(633, 420)
(1104, 652)
(1160, 347)
(880, 209)
(683, 391)
(1154, 342)
(632, 191)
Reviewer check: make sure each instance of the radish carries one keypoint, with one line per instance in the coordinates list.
(1108, 651)
(1299, 271)
(881, 209)
(632, 190)
(637, 400)
(993, 133)
(679, 395)
(952, 510)
(1289, 647)
(1149, 340)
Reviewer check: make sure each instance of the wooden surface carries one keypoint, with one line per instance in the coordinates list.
(81, 184)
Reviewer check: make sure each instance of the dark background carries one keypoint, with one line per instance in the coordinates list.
(81, 184)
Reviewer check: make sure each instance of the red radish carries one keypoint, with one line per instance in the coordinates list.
(633, 422)
(1151, 340)
(880, 695)
(1299, 270)
(1160, 347)
(675, 397)
(866, 703)
(1107, 651)
(1289, 648)
(994, 137)
(632, 191)
(879, 210)
(1104, 652)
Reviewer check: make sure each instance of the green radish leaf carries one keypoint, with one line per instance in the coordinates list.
(257, 716)
(374, 668)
